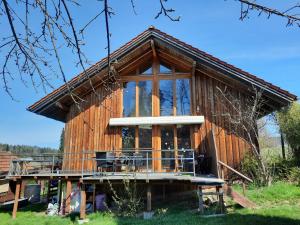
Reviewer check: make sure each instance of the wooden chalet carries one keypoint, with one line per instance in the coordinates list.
(159, 110)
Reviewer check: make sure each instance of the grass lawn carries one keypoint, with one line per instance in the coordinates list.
(277, 205)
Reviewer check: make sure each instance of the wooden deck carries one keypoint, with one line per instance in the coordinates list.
(156, 177)
(118, 176)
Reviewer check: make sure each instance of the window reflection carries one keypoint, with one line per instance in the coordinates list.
(147, 70)
(145, 98)
(128, 137)
(167, 144)
(183, 137)
(145, 137)
(165, 69)
(129, 99)
(166, 97)
(183, 101)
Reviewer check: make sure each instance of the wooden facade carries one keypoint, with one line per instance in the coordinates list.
(87, 124)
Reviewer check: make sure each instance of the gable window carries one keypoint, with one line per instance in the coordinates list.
(183, 102)
(129, 107)
(166, 97)
(169, 90)
(165, 69)
(145, 98)
(146, 70)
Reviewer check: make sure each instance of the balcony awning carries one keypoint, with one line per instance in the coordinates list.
(159, 120)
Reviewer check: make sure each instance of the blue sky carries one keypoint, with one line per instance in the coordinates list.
(264, 47)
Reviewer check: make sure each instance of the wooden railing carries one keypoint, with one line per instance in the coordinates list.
(223, 165)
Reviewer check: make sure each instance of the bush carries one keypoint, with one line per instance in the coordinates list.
(279, 169)
(294, 175)
(251, 168)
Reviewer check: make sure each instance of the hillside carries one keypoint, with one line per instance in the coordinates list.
(25, 149)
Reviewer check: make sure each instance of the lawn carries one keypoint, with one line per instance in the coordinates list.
(277, 205)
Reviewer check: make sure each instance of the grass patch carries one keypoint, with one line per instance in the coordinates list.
(277, 205)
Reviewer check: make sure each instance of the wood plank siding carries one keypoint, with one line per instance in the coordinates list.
(87, 127)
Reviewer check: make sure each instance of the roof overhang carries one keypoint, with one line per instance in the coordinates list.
(50, 106)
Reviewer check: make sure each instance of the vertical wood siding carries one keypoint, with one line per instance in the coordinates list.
(87, 129)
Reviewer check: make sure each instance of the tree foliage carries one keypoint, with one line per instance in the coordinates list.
(289, 122)
(61, 141)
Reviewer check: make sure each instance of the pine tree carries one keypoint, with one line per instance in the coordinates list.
(62, 138)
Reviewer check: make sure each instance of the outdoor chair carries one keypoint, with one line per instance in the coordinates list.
(104, 161)
(137, 161)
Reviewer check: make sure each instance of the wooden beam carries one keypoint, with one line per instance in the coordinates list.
(200, 196)
(149, 196)
(68, 196)
(17, 196)
(194, 111)
(83, 202)
(62, 106)
(153, 49)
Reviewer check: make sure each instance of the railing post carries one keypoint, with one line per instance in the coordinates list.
(147, 162)
(82, 162)
(52, 169)
(194, 166)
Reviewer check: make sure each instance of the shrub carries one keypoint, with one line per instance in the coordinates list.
(127, 201)
(251, 168)
(294, 175)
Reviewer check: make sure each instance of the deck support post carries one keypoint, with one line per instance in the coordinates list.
(68, 196)
(17, 196)
(59, 195)
(48, 190)
(219, 191)
(83, 202)
(149, 196)
(200, 196)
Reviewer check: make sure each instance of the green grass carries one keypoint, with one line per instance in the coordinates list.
(277, 205)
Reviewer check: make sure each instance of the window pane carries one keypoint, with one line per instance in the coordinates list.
(183, 137)
(129, 99)
(147, 70)
(167, 146)
(128, 137)
(164, 69)
(145, 98)
(145, 137)
(166, 97)
(183, 98)
(167, 137)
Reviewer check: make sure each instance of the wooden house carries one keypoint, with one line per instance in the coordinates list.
(160, 99)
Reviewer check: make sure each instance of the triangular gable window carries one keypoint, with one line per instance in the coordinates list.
(147, 70)
(165, 69)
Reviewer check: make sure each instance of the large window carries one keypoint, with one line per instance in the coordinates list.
(145, 98)
(171, 88)
(166, 97)
(145, 137)
(128, 137)
(129, 99)
(183, 98)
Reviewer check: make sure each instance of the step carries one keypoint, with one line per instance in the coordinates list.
(238, 198)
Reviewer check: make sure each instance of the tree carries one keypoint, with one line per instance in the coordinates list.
(241, 114)
(289, 122)
(61, 141)
(35, 51)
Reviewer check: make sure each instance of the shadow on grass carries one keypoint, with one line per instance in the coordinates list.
(231, 219)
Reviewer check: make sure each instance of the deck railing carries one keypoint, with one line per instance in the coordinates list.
(179, 161)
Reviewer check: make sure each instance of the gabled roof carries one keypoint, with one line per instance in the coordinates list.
(201, 57)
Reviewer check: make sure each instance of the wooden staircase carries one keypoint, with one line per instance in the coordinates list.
(237, 197)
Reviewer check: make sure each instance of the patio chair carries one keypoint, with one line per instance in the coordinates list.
(104, 161)
(137, 161)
